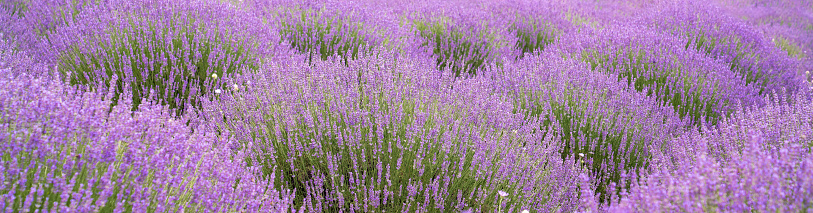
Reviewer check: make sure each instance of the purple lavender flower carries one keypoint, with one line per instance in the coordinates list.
(759, 160)
(407, 140)
(398, 106)
(66, 150)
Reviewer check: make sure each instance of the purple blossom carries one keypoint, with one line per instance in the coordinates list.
(139, 161)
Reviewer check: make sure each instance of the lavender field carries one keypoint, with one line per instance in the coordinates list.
(403, 106)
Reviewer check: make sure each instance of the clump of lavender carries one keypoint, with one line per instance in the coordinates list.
(784, 22)
(31, 23)
(65, 151)
(17, 62)
(533, 35)
(171, 53)
(323, 35)
(349, 106)
(14, 8)
(759, 160)
(396, 139)
(708, 29)
(463, 50)
(698, 88)
(793, 50)
(596, 121)
(536, 25)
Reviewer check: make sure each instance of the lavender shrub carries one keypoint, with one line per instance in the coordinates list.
(789, 24)
(321, 35)
(707, 28)
(395, 137)
(759, 160)
(700, 89)
(63, 152)
(462, 51)
(175, 50)
(597, 121)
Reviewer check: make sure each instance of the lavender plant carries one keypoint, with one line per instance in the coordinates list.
(63, 152)
(174, 53)
(709, 30)
(355, 138)
(319, 35)
(598, 122)
(32, 23)
(532, 25)
(14, 8)
(697, 88)
(788, 20)
(759, 160)
(788, 46)
(463, 52)
(533, 35)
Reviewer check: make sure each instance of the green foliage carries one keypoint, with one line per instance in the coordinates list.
(533, 35)
(456, 50)
(171, 68)
(577, 19)
(311, 33)
(788, 46)
(668, 85)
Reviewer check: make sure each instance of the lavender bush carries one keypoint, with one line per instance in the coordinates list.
(759, 160)
(533, 35)
(396, 137)
(171, 52)
(699, 88)
(315, 34)
(401, 106)
(64, 150)
(463, 52)
(722, 37)
(590, 114)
